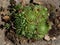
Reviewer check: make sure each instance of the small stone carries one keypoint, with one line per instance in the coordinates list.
(5, 43)
(59, 25)
(6, 18)
(57, 21)
(47, 38)
(38, 1)
(54, 38)
(59, 18)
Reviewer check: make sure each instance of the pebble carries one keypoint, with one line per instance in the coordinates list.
(4, 43)
(59, 25)
(47, 38)
(54, 38)
(6, 18)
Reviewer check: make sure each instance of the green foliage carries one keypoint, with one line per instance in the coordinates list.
(31, 22)
(17, 7)
(7, 26)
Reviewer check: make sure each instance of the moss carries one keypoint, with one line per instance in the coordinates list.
(31, 21)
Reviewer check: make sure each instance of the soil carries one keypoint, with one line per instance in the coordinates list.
(9, 37)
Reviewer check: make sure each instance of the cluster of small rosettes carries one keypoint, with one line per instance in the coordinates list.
(31, 21)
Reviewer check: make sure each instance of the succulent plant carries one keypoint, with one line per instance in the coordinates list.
(31, 21)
